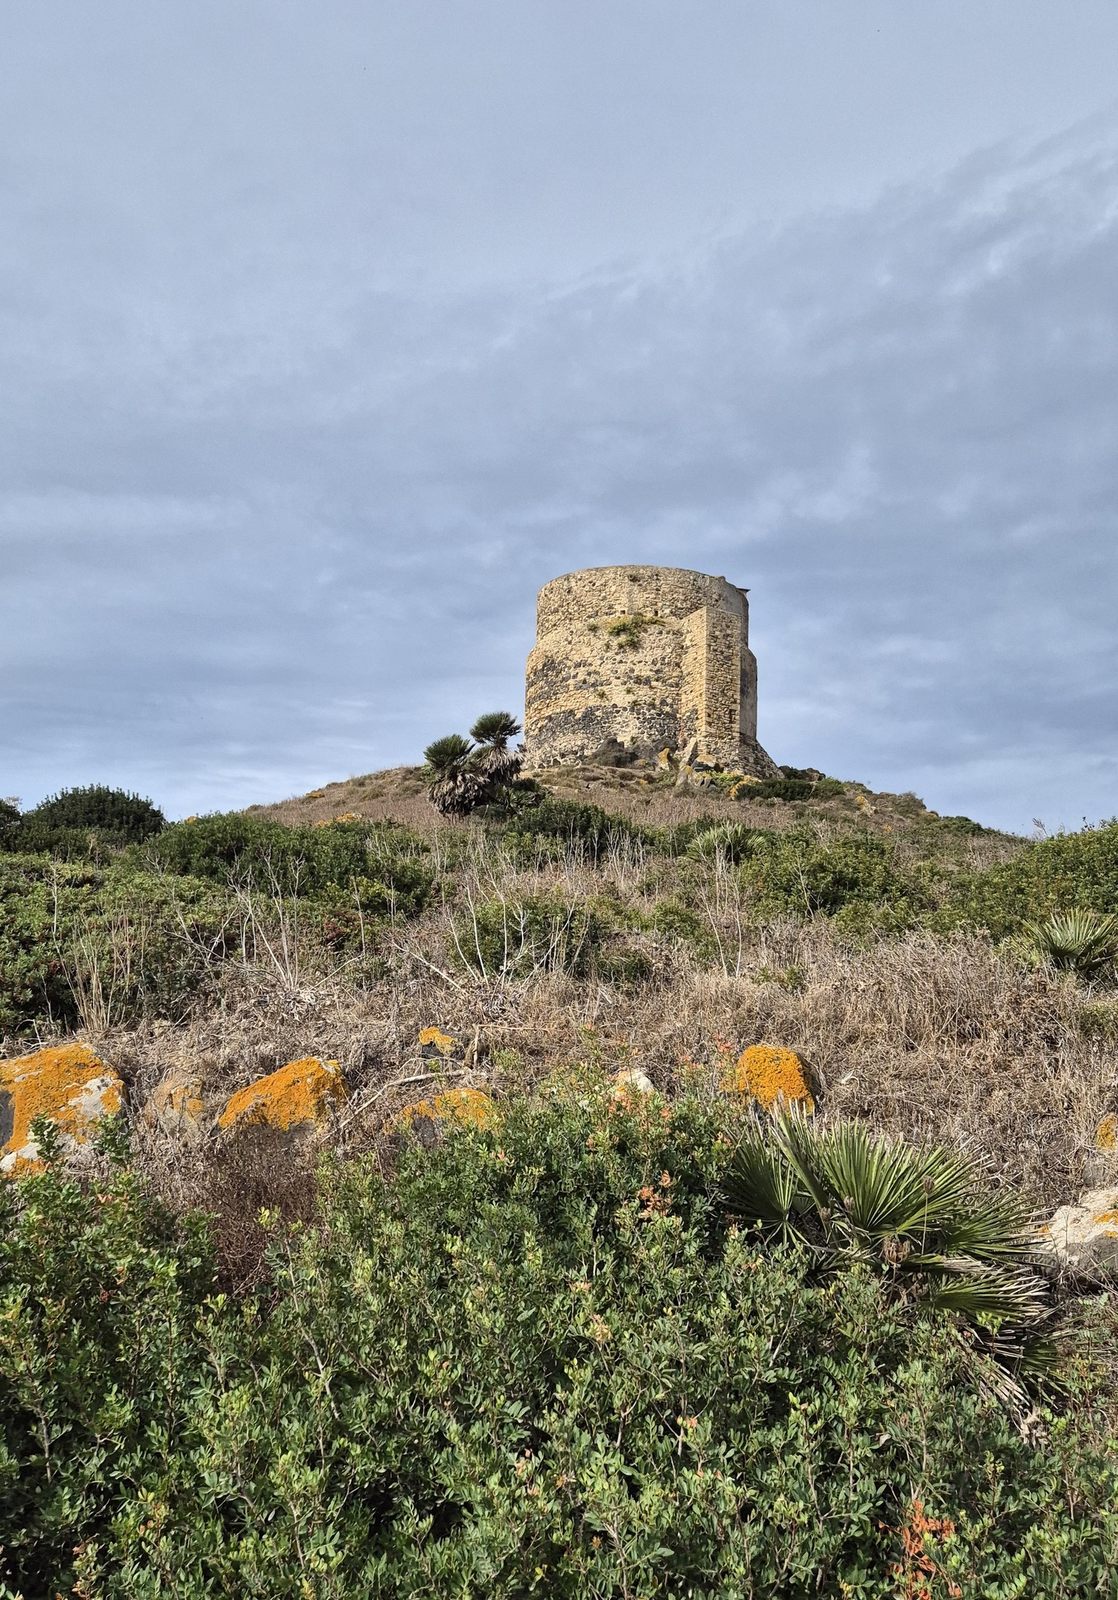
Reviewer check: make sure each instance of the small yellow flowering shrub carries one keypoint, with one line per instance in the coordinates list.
(770, 1075)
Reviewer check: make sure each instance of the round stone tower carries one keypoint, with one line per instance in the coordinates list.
(645, 657)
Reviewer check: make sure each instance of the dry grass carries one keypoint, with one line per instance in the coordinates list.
(926, 1038)
(636, 794)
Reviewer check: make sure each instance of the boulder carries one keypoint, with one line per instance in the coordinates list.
(1084, 1237)
(631, 1081)
(1100, 1164)
(770, 1075)
(68, 1085)
(176, 1106)
(471, 1108)
(298, 1097)
(435, 1044)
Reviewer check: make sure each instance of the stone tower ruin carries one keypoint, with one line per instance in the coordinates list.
(647, 658)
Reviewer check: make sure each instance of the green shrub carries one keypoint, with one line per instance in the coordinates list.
(532, 1363)
(122, 817)
(522, 934)
(379, 865)
(793, 789)
(571, 822)
(673, 919)
(857, 878)
(92, 845)
(85, 943)
(1071, 872)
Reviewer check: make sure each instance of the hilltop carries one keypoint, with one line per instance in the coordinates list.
(643, 794)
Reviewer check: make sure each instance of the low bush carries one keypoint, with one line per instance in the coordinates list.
(378, 866)
(534, 1362)
(518, 935)
(571, 822)
(118, 815)
(1071, 872)
(857, 878)
(792, 789)
(673, 919)
(88, 945)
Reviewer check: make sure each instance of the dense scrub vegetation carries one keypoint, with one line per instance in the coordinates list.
(600, 1347)
(538, 1358)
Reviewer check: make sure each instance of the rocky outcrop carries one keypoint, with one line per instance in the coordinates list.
(771, 1076)
(1084, 1237)
(176, 1106)
(471, 1108)
(67, 1085)
(299, 1097)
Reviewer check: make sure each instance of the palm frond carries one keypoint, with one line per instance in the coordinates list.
(893, 1190)
(1083, 942)
(495, 728)
(1017, 1297)
(760, 1186)
(447, 754)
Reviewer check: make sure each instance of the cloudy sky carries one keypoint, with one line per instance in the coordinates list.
(329, 332)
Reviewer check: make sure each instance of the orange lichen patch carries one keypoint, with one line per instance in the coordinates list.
(66, 1084)
(1105, 1219)
(1106, 1134)
(472, 1108)
(770, 1075)
(297, 1095)
(434, 1040)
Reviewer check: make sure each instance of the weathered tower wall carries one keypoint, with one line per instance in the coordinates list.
(650, 657)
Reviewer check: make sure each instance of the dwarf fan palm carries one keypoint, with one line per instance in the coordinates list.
(917, 1217)
(493, 758)
(454, 784)
(1083, 942)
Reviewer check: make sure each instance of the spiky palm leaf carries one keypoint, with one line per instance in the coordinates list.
(761, 1186)
(733, 841)
(448, 754)
(917, 1216)
(495, 728)
(1083, 942)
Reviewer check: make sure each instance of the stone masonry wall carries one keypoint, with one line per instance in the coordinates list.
(647, 656)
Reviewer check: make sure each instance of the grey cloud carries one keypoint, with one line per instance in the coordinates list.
(242, 558)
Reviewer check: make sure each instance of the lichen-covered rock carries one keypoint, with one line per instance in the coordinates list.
(176, 1106)
(1100, 1164)
(771, 1076)
(68, 1085)
(1084, 1237)
(471, 1108)
(299, 1096)
(437, 1045)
